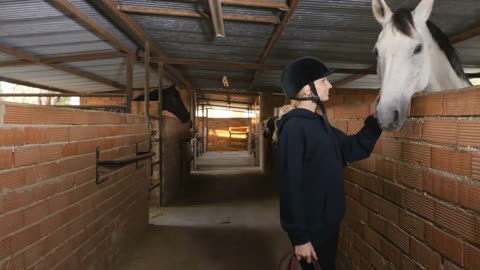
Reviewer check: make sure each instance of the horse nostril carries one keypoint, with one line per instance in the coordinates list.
(396, 116)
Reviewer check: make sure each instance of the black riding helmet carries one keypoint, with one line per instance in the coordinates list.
(301, 72)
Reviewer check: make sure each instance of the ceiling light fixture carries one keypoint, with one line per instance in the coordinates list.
(217, 17)
(225, 81)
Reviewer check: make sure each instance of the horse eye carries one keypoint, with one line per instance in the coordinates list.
(418, 49)
(375, 51)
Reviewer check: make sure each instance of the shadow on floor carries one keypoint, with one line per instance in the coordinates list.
(228, 220)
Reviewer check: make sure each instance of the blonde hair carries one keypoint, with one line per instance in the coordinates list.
(281, 112)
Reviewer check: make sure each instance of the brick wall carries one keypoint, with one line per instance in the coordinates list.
(415, 203)
(52, 213)
(218, 134)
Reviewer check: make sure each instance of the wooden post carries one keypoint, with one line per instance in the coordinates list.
(146, 65)
(160, 131)
(129, 86)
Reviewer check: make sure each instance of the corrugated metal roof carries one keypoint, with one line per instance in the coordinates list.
(340, 32)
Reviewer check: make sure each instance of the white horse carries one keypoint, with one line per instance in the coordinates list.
(413, 56)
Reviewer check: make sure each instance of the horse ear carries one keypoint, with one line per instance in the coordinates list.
(423, 10)
(381, 11)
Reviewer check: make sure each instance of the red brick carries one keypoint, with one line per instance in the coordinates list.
(377, 222)
(11, 136)
(453, 161)
(35, 252)
(354, 126)
(352, 111)
(16, 262)
(374, 184)
(469, 133)
(36, 135)
(398, 237)
(442, 186)
(87, 132)
(365, 164)
(394, 193)
(461, 223)
(6, 159)
(385, 168)
(341, 125)
(424, 255)
(43, 172)
(409, 176)
(25, 238)
(17, 114)
(371, 237)
(355, 176)
(392, 149)
(391, 252)
(426, 105)
(369, 200)
(416, 153)
(444, 243)
(463, 102)
(5, 248)
(353, 191)
(376, 259)
(420, 204)
(409, 264)
(353, 99)
(15, 199)
(37, 154)
(448, 265)
(469, 195)
(12, 179)
(412, 224)
(11, 222)
(410, 130)
(476, 166)
(388, 210)
(440, 131)
(472, 257)
(59, 202)
(36, 212)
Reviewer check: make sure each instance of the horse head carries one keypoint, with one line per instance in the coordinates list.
(413, 55)
(172, 102)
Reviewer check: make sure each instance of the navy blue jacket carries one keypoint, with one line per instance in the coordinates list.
(310, 167)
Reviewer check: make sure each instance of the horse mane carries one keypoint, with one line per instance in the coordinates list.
(402, 20)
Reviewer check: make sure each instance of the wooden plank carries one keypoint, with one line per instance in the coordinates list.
(276, 35)
(197, 14)
(65, 58)
(195, 62)
(129, 86)
(257, 3)
(348, 80)
(468, 34)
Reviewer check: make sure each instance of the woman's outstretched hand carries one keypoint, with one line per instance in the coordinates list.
(305, 252)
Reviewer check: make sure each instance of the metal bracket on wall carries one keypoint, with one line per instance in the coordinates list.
(118, 162)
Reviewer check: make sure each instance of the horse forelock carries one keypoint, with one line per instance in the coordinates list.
(402, 20)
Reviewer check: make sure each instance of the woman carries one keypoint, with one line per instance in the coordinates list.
(311, 157)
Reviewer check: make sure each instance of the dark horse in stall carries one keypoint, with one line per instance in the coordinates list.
(171, 102)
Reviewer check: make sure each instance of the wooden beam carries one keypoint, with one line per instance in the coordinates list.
(90, 106)
(105, 95)
(226, 101)
(35, 85)
(276, 35)
(65, 58)
(129, 86)
(196, 62)
(257, 3)
(252, 3)
(219, 78)
(197, 14)
(470, 33)
(146, 86)
(70, 10)
(226, 92)
(63, 68)
(128, 25)
(82, 57)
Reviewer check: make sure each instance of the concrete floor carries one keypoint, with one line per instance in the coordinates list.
(228, 220)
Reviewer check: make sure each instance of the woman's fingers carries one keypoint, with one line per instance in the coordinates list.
(314, 255)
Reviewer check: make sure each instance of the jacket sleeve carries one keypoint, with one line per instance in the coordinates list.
(359, 146)
(291, 146)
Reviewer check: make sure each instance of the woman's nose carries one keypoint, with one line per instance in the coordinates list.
(329, 85)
